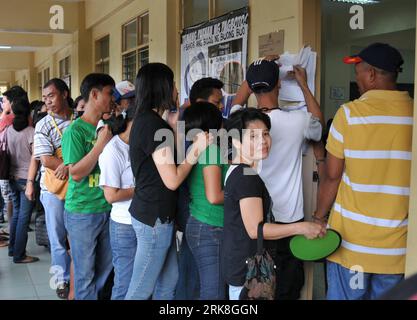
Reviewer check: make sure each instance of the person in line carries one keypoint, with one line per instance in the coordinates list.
(368, 179)
(48, 149)
(247, 201)
(282, 170)
(206, 180)
(157, 177)
(118, 184)
(86, 209)
(20, 144)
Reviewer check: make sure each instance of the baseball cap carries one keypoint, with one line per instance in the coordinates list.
(124, 90)
(379, 55)
(262, 75)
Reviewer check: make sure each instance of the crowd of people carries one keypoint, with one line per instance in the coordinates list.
(136, 204)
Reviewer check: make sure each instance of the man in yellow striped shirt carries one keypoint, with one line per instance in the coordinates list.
(368, 180)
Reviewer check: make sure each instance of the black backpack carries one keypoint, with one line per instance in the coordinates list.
(4, 156)
(260, 277)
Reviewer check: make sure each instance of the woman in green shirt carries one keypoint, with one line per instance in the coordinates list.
(205, 224)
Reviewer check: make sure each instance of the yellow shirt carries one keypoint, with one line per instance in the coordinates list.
(373, 135)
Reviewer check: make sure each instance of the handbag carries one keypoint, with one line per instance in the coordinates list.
(260, 276)
(54, 185)
(4, 156)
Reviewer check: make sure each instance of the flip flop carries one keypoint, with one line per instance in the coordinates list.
(4, 244)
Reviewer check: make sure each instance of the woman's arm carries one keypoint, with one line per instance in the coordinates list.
(171, 175)
(113, 195)
(252, 214)
(30, 187)
(212, 176)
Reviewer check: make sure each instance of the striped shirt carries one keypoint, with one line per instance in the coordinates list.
(373, 135)
(47, 139)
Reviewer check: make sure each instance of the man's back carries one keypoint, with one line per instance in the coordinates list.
(373, 135)
(281, 171)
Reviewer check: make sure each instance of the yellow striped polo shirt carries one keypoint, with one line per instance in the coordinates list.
(373, 135)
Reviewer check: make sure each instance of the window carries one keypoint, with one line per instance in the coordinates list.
(103, 55)
(225, 6)
(135, 46)
(40, 84)
(197, 11)
(45, 76)
(64, 67)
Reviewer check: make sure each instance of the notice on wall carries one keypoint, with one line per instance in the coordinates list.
(218, 49)
(271, 43)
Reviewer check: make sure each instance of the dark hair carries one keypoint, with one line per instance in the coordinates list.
(95, 81)
(36, 106)
(76, 102)
(118, 124)
(154, 87)
(203, 89)
(14, 93)
(203, 116)
(61, 86)
(241, 119)
(21, 110)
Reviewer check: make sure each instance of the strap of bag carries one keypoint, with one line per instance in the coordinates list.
(56, 126)
(260, 240)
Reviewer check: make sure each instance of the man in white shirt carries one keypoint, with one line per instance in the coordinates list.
(282, 170)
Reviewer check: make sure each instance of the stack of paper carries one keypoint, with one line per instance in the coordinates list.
(290, 90)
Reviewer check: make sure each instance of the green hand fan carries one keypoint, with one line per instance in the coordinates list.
(316, 249)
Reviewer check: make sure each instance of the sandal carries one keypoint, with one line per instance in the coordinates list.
(4, 243)
(3, 232)
(63, 290)
(28, 259)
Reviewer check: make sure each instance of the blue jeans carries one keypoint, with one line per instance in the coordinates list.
(204, 242)
(344, 284)
(91, 252)
(188, 286)
(155, 271)
(22, 211)
(57, 234)
(123, 247)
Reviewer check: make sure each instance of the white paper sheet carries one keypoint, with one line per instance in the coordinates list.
(290, 90)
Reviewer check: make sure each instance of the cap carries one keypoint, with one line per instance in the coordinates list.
(262, 75)
(124, 90)
(379, 55)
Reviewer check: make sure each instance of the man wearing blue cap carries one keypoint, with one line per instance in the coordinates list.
(282, 170)
(368, 180)
(124, 95)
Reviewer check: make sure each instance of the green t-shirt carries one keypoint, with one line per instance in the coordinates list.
(200, 208)
(85, 196)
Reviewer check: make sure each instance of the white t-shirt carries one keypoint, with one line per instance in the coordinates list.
(282, 170)
(116, 172)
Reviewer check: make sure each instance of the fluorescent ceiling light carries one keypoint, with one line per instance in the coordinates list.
(5, 47)
(357, 1)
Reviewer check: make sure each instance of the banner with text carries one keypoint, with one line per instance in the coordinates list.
(218, 49)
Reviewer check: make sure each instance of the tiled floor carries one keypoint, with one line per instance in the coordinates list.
(26, 281)
(31, 281)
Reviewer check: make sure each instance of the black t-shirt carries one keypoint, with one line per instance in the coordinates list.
(237, 246)
(152, 199)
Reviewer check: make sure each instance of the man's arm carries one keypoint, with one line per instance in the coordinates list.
(83, 168)
(51, 162)
(313, 106)
(242, 95)
(329, 186)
